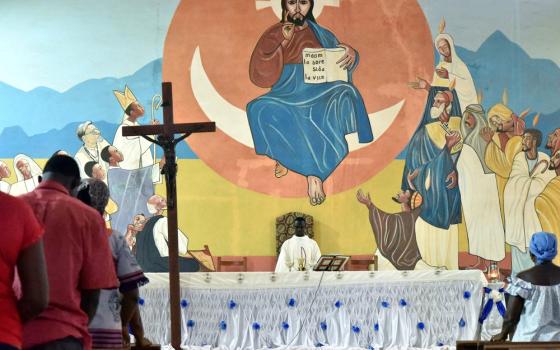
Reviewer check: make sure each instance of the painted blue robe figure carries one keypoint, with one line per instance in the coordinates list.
(302, 126)
(430, 169)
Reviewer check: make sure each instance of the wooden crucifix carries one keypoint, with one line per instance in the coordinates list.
(165, 138)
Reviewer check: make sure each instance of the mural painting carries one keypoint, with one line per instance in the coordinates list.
(324, 107)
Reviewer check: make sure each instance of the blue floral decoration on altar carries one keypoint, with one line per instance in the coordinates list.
(385, 304)
(439, 344)
(184, 303)
(291, 302)
(285, 325)
(256, 326)
(223, 325)
(462, 323)
(421, 325)
(338, 304)
(141, 301)
(467, 295)
(324, 326)
(232, 305)
(403, 303)
(356, 329)
(318, 345)
(190, 323)
(376, 327)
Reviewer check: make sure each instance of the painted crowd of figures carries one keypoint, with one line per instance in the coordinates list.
(130, 170)
(464, 162)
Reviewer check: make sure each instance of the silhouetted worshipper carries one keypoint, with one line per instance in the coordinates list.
(152, 251)
(394, 233)
(21, 246)
(78, 258)
(533, 310)
(299, 252)
(117, 308)
(301, 124)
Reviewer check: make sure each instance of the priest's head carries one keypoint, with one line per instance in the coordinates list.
(553, 141)
(156, 204)
(4, 170)
(532, 139)
(299, 225)
(89, 134)
(297, 11)
(134, 111)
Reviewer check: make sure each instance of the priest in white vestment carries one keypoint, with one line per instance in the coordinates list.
(4, 173)
(479, 191)
(528, 178)
(27, 174)
(136, 150)
(92, 144)
(298, 252)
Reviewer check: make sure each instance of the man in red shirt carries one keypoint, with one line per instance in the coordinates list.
(21, 246)
(79, 261)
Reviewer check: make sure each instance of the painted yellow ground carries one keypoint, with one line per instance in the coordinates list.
(236, 221)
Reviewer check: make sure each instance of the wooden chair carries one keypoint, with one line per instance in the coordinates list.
(227, 262)
(362, 264)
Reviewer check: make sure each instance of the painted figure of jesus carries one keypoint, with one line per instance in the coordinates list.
(302, 126)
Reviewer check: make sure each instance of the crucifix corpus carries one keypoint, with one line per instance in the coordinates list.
(165, 138)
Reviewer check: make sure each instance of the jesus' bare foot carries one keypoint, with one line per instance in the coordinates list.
(280, 170)
(315, 190)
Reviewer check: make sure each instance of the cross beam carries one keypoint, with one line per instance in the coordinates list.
(165, 138)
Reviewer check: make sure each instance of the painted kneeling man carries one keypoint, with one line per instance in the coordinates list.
(299, 253)
(152, 251)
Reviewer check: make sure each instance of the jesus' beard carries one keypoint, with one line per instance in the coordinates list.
(298, 19)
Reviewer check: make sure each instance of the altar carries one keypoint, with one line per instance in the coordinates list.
(361, 309)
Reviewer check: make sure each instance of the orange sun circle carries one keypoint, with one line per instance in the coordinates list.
(395, 46)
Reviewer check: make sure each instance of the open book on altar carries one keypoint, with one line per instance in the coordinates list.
(319, 65)
(331, 263)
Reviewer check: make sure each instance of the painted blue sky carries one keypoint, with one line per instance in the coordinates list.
(56, 43)
(533, 24)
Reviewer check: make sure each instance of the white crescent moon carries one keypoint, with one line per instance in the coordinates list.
(233, 120)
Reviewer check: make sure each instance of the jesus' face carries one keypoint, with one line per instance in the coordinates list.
(297, 11)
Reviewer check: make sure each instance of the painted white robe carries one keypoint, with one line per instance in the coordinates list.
(4, 187)
(136, 151)
(521, 219)
(458, 71)
(24, 186)
(84, 156)
(481, 207)
(291, 251)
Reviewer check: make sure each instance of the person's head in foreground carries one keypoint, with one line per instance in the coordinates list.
(543, 247)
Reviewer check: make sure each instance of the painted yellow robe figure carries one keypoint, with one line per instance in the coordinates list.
(501, 151)
(547, 204)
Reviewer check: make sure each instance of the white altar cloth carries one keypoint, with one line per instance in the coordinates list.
(352, 309)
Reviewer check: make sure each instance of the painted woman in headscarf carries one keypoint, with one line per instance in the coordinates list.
(533, 310)
(450, 68)
(117, 308)
(27, 173)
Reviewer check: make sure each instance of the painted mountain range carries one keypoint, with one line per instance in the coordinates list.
(42, 120)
